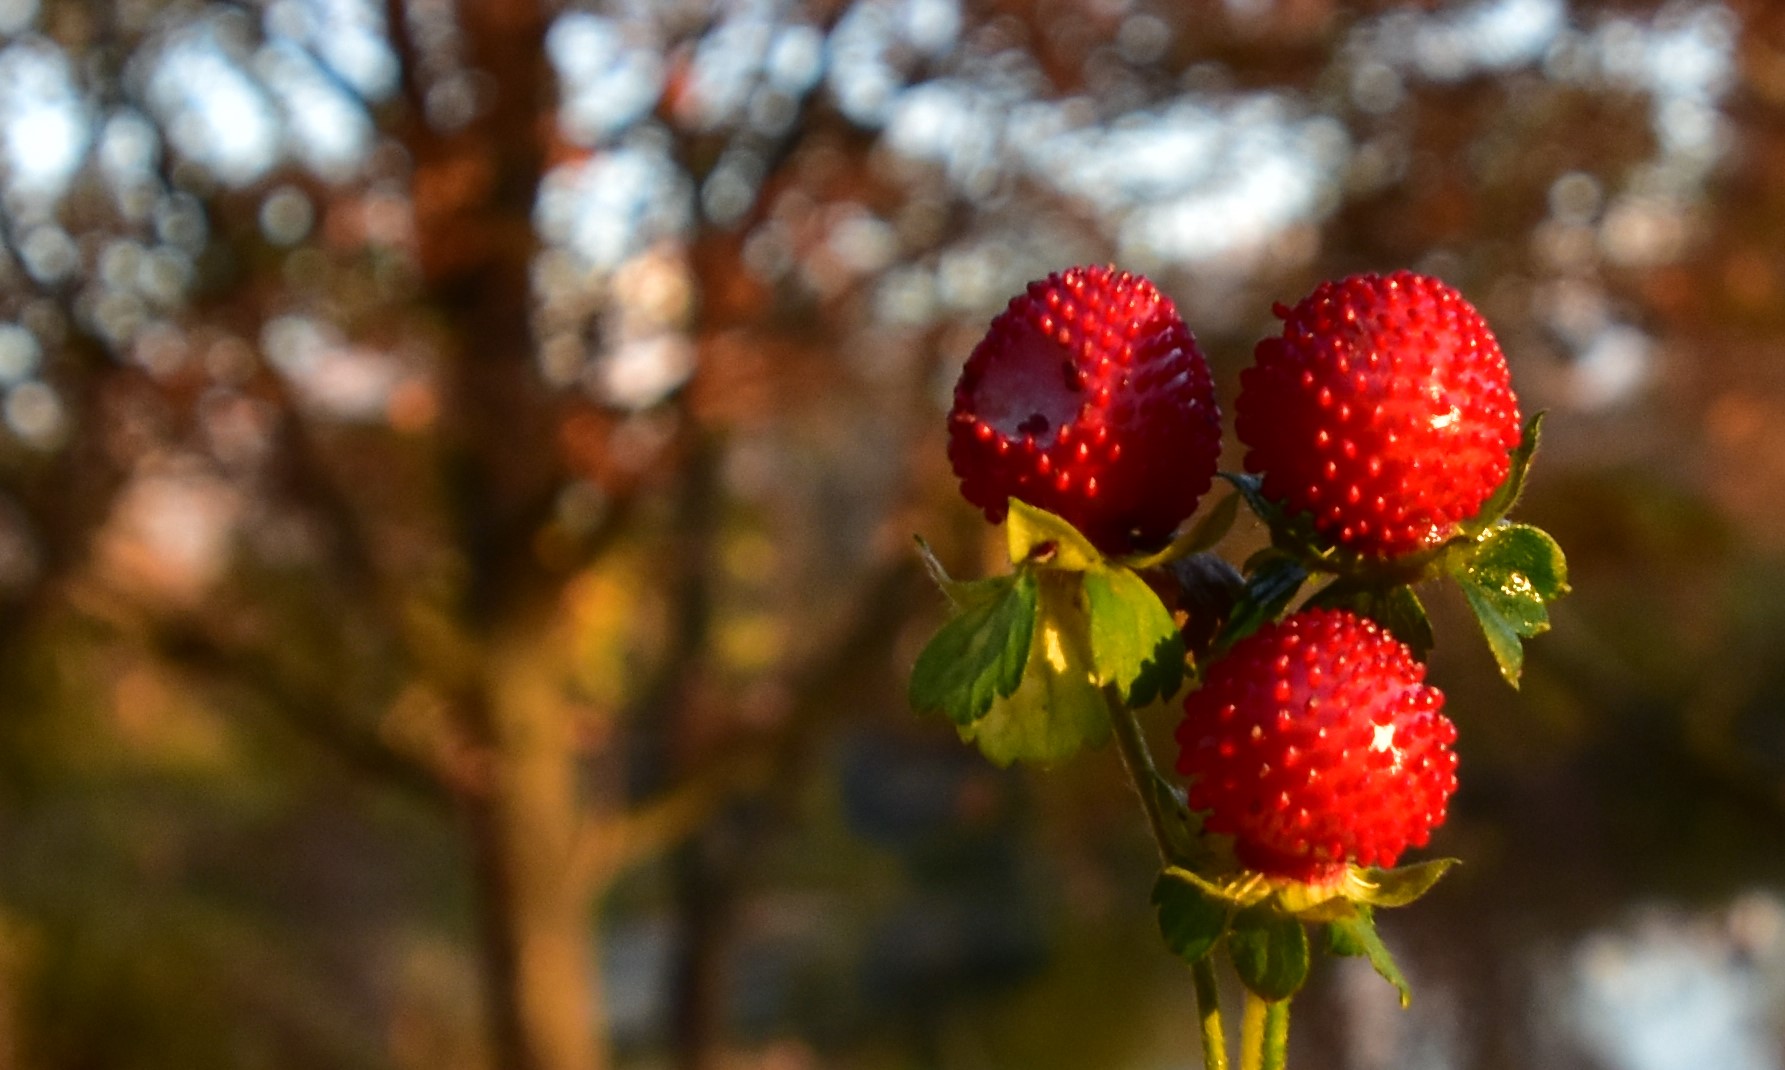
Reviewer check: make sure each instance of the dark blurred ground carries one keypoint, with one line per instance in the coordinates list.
(457, 465)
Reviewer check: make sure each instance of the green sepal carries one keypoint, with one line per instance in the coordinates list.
(1396, 607)
(1058, 708)
(1269, 589)
(963, 594)
(1238, 890)
(1199, 537)
(1507, 494)
(1395, 887)
(1038, 535)
(1251, 488)
(1356, 936)
(1294, 534)
(980, 655)
(1270, 953)
(1313, 902)
(1323, 902)
(1509, 575)
(1190, 921)
(1135, 644)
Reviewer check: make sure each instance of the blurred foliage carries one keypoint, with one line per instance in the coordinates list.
(457, 463)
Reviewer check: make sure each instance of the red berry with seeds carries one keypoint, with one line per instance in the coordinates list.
(1316, 742)
(1385, 410)
(1089, 398)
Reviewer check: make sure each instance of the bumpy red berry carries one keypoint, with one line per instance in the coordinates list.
(1385, 410)
(1316, 742)
(1089, 398)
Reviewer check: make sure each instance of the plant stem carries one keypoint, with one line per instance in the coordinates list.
(1138, 761)
(1208, 1006)
(1264, 1034)
(1276, 1035)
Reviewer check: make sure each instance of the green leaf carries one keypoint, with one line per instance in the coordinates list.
(1520, 561)
(1395, 607)
(1507, 494)
(1501, 632)
(1033, 533)
(1201, 536)
(1509, 576)
(1270, 953)
(1058, 709)
(978, 656)
(1396, 887)
(1356, 936)
(965, 594)
(1190, 921)
(1268, 590)
(1135, 644)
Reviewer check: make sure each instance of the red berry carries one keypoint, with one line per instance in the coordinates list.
(1316, 742)
(1088, 398)
(1385, 410)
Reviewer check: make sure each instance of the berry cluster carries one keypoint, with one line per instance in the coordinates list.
(1384, 414)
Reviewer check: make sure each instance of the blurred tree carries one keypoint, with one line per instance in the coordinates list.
(519, 411)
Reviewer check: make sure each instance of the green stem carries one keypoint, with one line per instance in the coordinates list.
(1208, 1006)
(1276, 1035)
(1138, 761)
(1264, 1034)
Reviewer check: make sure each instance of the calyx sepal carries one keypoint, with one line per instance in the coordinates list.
(1355, 886)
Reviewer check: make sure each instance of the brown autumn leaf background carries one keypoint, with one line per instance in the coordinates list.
(458, 460)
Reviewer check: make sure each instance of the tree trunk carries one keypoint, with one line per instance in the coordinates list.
(537, 916)
(473, 191)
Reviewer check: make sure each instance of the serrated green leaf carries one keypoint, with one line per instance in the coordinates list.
(1357, 937)
(1502, 634)
(979, 656)
(1268, 591)
(1509, 576)
(1399, 886)
(1190, 921)
(1135, 644)
(1507, 494)
(1270, 953)
(1199, 537)
(1396, 607)
(1520, 562)
(1031, 532)
(965, 594)
(1058, 708)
